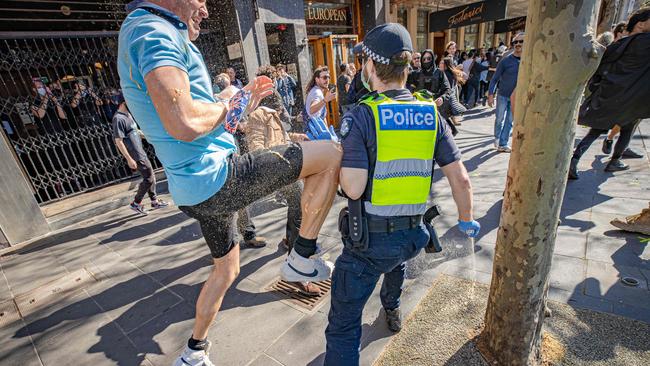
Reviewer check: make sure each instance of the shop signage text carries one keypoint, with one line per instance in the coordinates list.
(510, 25)
(327, 14)
(461, 16)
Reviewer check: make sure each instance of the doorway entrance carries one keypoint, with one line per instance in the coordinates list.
(332, 51)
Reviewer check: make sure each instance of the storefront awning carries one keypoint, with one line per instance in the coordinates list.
(510, 25)
(461, 16)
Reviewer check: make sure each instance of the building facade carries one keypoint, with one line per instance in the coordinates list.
(415, 16)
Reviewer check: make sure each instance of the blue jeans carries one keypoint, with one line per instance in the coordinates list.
(503, 122)
(353, 281)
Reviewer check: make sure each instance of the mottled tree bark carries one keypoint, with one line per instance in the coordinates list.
(559, 55)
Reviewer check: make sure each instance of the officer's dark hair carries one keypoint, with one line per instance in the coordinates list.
(640, 15)
(397, 70)
(343, 68)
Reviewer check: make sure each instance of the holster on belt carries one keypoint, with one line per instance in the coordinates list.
(353, 226)
(434, 241)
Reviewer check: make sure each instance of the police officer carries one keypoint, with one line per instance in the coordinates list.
(390, 141)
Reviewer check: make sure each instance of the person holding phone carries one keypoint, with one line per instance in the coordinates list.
(319, 94)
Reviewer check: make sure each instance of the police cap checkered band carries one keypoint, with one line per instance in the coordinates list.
(386, 40)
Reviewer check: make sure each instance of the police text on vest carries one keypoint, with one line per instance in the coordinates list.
(407, 117)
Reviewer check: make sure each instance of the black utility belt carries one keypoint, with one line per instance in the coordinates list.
(391, 224)
(355, 226)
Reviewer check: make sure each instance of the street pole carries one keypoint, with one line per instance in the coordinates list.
(559, 55)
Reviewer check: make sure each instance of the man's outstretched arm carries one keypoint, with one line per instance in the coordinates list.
(461, 188)
(184, 118)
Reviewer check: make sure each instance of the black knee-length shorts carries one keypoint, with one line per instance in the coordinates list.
(250, 177)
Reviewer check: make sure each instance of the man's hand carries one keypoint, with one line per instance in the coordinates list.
(330, 96)
(469, 228)
(298, 137)
(439, 101)
(491, 100)
(259, 88)
(317, 130)
(132, 164)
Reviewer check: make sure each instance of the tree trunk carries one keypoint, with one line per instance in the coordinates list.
(607, 16)
(559, 55)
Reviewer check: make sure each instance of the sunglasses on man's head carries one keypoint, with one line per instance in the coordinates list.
(521, 41)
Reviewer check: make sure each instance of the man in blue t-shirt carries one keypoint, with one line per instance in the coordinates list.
(505, 77)
(168, 89)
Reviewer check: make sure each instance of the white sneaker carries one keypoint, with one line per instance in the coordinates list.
(191, 357)
(300, 269)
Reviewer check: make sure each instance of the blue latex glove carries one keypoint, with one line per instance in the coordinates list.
(236, 108)
(470, 228)
(317, 130)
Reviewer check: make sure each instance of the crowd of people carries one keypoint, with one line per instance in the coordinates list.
(227, 146)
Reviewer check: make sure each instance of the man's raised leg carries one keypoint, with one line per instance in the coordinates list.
(320, 171)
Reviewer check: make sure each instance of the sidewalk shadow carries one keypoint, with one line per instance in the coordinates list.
(590, 181)
(628, 255)
(475, 161)
(139, 293)
(476, 145)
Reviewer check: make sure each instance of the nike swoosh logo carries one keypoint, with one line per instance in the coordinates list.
(313, 274)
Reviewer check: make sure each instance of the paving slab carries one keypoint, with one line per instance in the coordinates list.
(625, 251)
(603, 280)
(567, 272)
(571, 243)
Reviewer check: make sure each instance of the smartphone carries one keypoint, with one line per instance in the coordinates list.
(332, 88)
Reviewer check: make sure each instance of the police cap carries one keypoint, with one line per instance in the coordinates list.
(386, 40)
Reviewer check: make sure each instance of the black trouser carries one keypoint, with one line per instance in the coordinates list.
(593, 134)
(148, 184)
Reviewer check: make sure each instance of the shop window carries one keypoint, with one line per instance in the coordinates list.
(471, 37)
(402, 17)
(422, 31)
(453, 35)
(489, 35)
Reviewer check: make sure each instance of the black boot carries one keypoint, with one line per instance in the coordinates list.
(631, 154)
(573, 169)
(607, 146)
(394, 320)
(615, 165)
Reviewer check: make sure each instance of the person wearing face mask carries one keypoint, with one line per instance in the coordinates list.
(430, 78)
(390, 141)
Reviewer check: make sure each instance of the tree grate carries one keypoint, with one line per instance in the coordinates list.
(292, 295)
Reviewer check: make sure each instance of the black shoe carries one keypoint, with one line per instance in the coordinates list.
(615, 165)
(607, 146)
(573, 169)
(631, 154)
(394, 320)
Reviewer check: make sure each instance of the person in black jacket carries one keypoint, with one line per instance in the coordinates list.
(619, 92)
(430, 78)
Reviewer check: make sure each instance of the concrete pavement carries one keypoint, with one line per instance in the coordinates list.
(120, 288)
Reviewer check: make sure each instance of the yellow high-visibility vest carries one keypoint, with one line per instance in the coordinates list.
(406, 139)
